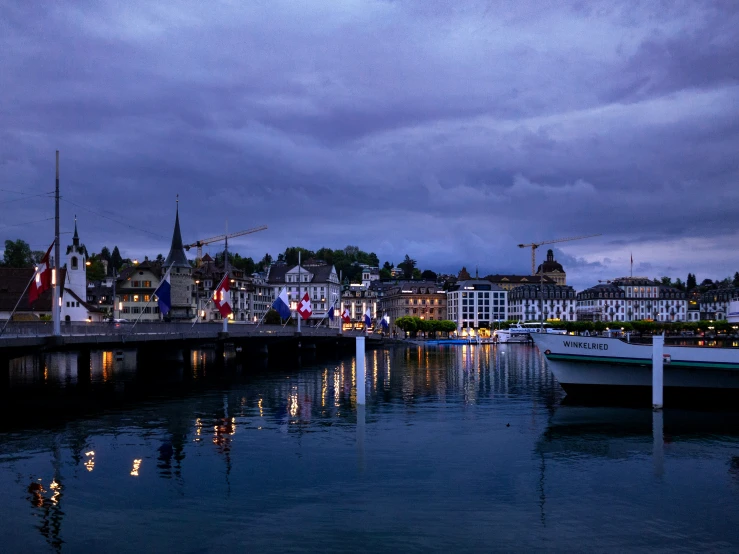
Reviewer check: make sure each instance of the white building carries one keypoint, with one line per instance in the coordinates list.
(632, 299)
(476, 303)
(320, 281)
(369, 274)
(74, 292)
(357, 299)
(553, 302)
(714, 304)
(135, 288)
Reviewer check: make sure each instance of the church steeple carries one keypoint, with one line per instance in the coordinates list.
(177, 250)
(76, 238)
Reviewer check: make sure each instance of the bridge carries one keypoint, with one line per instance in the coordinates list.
(167, 340)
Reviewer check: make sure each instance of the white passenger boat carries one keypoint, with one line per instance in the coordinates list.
(604, 365)
(522, 332)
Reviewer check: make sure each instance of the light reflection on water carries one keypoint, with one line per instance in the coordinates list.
(464, 448)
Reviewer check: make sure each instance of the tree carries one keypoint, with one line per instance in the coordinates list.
(691, 283)
(272, 318)
(159, 259)
(291, 255)
(407, 265)
(105, 254)
(678, 284)
(325, 254)
(264, 263)
(17, 254)
(95, 271)
(115, 259)
(407, 324)
(428, 275)
(736, 279)
(666, 281)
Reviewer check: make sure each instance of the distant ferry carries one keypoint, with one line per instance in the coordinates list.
(605, 365)
(522, 332)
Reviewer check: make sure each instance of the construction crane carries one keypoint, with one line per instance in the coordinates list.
(199, 244)
(535, 245)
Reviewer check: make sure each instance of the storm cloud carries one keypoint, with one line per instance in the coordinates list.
(448, 131)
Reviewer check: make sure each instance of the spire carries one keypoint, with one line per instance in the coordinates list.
(76, 238)
(177, 251)
(550, 255)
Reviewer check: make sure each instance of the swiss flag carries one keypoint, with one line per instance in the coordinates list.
(222, 297)
(345, 316)
(304, 308)
(42, 279)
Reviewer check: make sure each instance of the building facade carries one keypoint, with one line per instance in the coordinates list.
(536, 303)
(509, 282)
(180, 277)
(637, 298)
(422, 299)
(319, 280)
(553, 269)
(604, 302)
(135, 286)
(476, 303)
(714, 304)
(75, 306)
(357, 299)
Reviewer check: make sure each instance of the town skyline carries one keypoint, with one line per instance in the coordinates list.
(449, 133)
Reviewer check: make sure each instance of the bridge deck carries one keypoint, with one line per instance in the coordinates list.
(22, 336)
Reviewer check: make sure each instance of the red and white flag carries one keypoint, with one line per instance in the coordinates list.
(304, 307)
(42, 279)
(222, 298)
(345, 316)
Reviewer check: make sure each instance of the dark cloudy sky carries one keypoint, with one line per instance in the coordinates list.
(451, 131)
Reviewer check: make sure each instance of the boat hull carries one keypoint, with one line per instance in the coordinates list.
(603, 365)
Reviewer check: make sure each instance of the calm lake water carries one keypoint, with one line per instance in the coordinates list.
(459, 449)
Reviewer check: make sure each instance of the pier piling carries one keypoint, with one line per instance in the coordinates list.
(658, 344)
(360, 370)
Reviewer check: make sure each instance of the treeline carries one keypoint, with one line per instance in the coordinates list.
(691, 283)
(347, 261)
(412, 325)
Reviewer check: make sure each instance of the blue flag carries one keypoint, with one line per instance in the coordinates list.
(385, 322)
(331, 314)
(368, 318)
(164, 295)
(282, 305)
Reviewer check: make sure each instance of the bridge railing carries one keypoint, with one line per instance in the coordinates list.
(17, 329)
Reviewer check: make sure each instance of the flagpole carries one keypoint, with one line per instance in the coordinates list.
(55, 307)
(300, 296)
(151, 296)
(19, 301)
(271, 307)
(225, 266)
(341, 304)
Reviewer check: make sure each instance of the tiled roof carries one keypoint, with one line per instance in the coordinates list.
(519, 279)
(277, 273)
(12, 283)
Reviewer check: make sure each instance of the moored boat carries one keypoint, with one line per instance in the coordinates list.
(601, 365)
(518, 332)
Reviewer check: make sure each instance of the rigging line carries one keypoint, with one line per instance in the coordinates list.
(24, 193)
(47, 194)
(113, 220)
(27, 223)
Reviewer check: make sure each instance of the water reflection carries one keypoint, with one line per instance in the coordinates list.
(286, 454)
